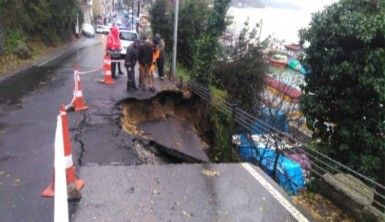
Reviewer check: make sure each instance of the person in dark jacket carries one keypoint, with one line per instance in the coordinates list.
(145, 59)
(159, 44)
(129, 63)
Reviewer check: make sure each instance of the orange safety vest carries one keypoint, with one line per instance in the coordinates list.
(155, 56)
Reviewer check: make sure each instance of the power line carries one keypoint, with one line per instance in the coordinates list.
(252, 123)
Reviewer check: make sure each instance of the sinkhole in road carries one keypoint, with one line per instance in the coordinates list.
(173, 121)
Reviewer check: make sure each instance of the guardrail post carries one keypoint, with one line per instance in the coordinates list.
(379, 200)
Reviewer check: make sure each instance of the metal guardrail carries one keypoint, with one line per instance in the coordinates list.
(355, 185)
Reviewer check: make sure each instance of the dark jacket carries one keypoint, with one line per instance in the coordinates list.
(145, 53)
(131, 56)
(159, 44)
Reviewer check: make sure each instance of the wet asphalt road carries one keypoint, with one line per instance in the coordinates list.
(28, 109)
(29, 104)
(177, 192)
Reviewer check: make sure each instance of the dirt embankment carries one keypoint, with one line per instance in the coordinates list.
(167, 104)
(10, 63)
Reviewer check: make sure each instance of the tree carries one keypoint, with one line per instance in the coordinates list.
(161, 19)
(97, 8)
(192, 19)
(207, 47)
(241, 69)
(345, 90)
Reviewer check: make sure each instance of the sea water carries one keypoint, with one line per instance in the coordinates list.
(282, 24)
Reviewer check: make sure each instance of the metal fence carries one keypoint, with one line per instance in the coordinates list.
(353, 184)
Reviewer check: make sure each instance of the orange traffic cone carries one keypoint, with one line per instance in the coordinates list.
(74, 185)
(77, 100)
(107, 70)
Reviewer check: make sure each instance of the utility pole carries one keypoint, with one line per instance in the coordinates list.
(137, 25)
(132, 15)
(173, 68)
(77, 30)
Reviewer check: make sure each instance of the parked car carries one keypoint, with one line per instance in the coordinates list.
(102, 29)
(127, 37)
(88, 30)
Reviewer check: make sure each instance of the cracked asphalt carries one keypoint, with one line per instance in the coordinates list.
(106, 157)
(29, 104)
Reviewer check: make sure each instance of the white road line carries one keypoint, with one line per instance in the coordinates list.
(275, 193)
(48, 60)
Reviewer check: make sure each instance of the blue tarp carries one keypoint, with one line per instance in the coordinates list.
(289, 173)
(272, 117)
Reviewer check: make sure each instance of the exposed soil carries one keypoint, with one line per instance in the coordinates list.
(167, 104)
(320, 208)
(170, 104)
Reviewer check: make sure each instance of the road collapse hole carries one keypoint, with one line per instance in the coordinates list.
(165, 106)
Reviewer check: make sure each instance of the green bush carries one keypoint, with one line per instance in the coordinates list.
(221, 148)
(221, 127)
(13, 38)
(22, 51)
(48, 21)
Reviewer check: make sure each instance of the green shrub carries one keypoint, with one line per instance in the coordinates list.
(22, 51)
(221, 149)
(12, 39)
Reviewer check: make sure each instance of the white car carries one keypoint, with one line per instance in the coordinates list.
(127, 37)
(102, 29)
(88, 30)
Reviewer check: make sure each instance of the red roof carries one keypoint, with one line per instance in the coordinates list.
(287, 90)
(294, 47)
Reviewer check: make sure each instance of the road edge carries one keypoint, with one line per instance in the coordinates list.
(50, 58)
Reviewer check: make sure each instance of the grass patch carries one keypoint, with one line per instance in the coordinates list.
(10, 63)
(183, 73)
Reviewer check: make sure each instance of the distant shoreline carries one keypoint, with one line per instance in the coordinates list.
(247, 6)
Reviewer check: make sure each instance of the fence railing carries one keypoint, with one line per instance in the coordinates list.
(355, 185)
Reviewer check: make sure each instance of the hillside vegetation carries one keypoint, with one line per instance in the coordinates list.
(25, 23)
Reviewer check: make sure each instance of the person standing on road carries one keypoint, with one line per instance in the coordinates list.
(159, 44)
(129, 63)
(113, 49)
(145, 58)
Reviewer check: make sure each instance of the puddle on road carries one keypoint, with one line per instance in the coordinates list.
(160, 114)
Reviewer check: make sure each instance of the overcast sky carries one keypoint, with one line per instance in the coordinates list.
(309, 4)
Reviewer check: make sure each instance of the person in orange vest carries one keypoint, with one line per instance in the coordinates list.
(159, 43)
(155, 57)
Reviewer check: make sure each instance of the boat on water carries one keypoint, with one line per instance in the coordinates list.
(293, 50)
(288, 91)
(278, 60)
(294, 64)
